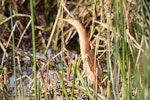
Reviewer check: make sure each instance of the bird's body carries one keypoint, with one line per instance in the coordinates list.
(87, 53)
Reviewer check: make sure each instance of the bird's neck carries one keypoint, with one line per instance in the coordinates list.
(84, 40)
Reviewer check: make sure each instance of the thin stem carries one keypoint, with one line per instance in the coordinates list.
(34, 48)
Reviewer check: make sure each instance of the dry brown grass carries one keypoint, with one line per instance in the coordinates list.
(119, 35)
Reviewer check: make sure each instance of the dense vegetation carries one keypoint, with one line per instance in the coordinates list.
(40, 55)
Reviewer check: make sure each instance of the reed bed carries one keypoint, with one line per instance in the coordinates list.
(40, 53)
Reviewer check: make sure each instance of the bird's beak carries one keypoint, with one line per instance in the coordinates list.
(67, 20)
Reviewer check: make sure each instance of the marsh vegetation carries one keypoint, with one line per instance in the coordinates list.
(40, 54)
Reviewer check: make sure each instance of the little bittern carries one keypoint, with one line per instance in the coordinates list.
(87, 53)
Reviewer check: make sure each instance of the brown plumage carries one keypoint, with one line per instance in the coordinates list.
(89, 63)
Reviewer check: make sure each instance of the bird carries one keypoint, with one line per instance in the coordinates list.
(87, 54)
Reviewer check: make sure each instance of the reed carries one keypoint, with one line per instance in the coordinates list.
(114, 36)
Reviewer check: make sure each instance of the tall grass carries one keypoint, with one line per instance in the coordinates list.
(32, 6)
(121, 29)
(14, 54)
